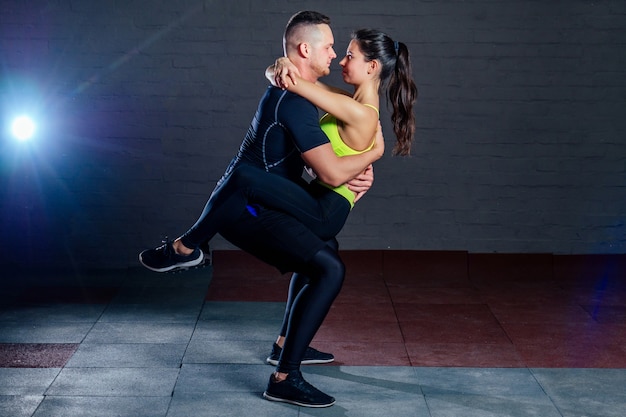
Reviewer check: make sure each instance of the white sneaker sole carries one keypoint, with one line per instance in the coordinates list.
(177, 267)
(284, 400)
(274, 362)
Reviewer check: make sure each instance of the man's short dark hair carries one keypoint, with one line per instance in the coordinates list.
(306, 17)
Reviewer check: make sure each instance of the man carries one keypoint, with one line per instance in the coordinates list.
(284, 136)
(279, 239)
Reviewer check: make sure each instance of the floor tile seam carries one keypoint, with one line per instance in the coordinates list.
(134, 322)
(38, 343)
(53, 380)
(149, 317)
(395, 311)
(489, 342)
(90, 343)
(95, 395)
(460, 369)
(544, 390)
(361, 300)
(539, 368)
(56, 395)
(243, 302)
(184, 342)
(44, 321)
(55, 302)
(309, 368)
(560, 324)
(536, 332)
(370, 323)
(86, 334)
(405, 349)
(452, 318)
(189, 341)
(152, 304)
(367, 342)
(125, 368)
(238, 320)
(217, 363)
(538, 309)
(148, 322)
(160, 366)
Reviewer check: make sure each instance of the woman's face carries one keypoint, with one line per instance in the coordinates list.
(355, 67)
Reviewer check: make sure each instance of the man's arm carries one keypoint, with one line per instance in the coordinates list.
(300, 117)
(334, 170)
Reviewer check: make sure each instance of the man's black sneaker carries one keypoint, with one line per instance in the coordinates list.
(165, 259)
(295, 390)
(311, 356)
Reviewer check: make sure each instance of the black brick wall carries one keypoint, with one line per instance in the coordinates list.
(521, 144)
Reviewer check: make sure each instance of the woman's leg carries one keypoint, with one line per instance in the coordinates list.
(246, 184)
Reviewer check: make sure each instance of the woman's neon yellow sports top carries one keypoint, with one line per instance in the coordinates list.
(328, 123)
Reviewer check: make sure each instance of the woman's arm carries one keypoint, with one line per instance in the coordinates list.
(289, 73)
(332, 89)
(332, 100)
(343, 107)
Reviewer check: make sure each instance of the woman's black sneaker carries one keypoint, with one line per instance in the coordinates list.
(311, 356)
(295, 390)
(165, 259)
(206, 252)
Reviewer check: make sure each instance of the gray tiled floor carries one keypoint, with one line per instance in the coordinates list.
(158, 349)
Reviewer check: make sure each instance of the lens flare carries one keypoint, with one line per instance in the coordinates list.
(23, 128)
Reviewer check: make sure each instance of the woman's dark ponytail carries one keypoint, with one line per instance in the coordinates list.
(402, 94)
(396, 78)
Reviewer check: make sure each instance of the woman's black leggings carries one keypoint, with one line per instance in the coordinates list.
(322, 210)
(310, 299)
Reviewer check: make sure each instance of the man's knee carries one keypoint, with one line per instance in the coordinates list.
(328, 262)
(333, 244)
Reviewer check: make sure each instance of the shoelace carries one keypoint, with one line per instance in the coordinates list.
(167, 247)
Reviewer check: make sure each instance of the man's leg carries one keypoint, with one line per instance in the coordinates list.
(283, 242)
(308, 311)
(311, 355)
(310, 307)
(296, 284)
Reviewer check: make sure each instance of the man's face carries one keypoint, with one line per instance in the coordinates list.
(322, 52)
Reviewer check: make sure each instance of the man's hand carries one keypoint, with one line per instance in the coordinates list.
(362, 182)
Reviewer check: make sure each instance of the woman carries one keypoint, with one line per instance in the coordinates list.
(373, 62)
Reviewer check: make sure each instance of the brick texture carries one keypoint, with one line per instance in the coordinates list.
(520, 146)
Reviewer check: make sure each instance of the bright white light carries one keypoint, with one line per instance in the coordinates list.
(23, 128)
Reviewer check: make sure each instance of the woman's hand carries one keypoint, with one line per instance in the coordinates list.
(361, 183)
(285, 73)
